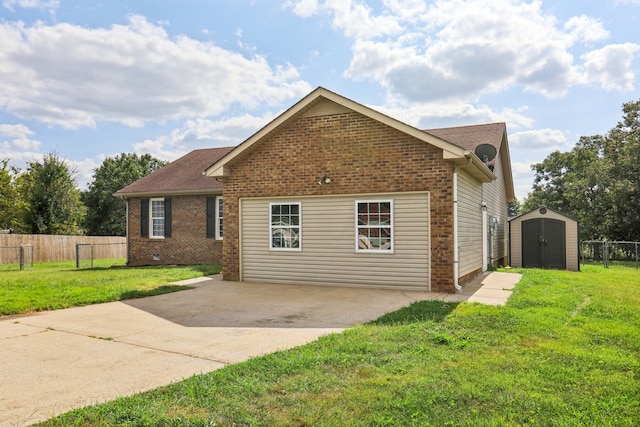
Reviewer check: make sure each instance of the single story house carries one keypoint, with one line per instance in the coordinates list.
(332, 192)
(174, 214)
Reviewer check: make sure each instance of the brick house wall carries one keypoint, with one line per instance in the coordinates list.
(361, 156)
(189, 243)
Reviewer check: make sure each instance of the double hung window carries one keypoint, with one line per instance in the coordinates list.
(214, 217)
(374, 226)
(157, 218)
(219, 205)
(284, 226)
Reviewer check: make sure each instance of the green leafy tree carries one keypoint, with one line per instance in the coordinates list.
(54, 205)
(106, 214)
(597, 182)
(12, 203)
(514, 208)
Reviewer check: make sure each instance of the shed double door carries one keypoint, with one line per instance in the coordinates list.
(543, 243)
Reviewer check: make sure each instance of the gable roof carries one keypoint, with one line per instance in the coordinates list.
(540, 207)
(470, 137)
(182, 176)
(450, 151)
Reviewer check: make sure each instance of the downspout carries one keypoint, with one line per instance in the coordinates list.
(485, 237)
(456, 245)
(456, 255)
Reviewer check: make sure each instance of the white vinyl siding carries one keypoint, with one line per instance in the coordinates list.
(328, 256)
(469, 224)
(495, 196)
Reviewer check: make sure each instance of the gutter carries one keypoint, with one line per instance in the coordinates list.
(169, 193)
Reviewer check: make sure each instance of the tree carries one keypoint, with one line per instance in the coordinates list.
(12, 203)
(54, 205)
(597, 182)
(106, 214)
(514, 208)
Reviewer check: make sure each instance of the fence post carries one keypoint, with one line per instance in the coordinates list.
(21, 257)
(636, 255)
(77, 255)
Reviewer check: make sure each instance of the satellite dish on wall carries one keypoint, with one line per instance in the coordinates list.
(486, 152)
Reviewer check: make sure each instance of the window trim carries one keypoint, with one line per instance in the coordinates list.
(391, 248)
(151, 217)
(218, 217)
(299, 227)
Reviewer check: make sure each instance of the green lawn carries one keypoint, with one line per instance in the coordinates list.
(55, 285)
(564, 351)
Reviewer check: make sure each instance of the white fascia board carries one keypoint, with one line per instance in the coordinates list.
(218, 170)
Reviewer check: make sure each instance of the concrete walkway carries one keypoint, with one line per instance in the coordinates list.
(55, 361)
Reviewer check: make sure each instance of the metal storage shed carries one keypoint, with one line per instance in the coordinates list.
(544, 238)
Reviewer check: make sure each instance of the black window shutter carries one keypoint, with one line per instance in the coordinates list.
(211, 217)
(144, 218)
(167, 217)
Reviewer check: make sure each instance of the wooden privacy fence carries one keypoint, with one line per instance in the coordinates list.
(47, 248)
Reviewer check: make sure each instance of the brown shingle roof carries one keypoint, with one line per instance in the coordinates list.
(469, 137)
(182, 176)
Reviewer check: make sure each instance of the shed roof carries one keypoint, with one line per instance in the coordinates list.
(182, 176)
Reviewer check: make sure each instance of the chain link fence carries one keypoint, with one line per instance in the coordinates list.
(611, 251)
(86, 253)
(19, 256)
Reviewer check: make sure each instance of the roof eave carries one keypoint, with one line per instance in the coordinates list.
(168, 193)
(476, 167)
(218, 169)
(507, 171)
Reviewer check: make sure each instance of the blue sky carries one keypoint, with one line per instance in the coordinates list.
(89, 80)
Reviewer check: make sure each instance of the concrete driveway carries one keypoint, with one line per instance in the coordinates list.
(55, 361)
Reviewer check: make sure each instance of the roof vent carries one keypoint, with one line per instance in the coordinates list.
(486, 152)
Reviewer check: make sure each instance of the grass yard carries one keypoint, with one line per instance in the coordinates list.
(55, 285)
(564, 351)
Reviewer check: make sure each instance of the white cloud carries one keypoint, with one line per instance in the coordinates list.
(353, 17)
(357, 20)
(522, 178)
(539, 139)
(74, 76)
(585, 29)
(31, 4)
(303, 8)
(459, 50)
(202, 133)
(611, 66)
(84, 170)
(430, 116)
(19, 137)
